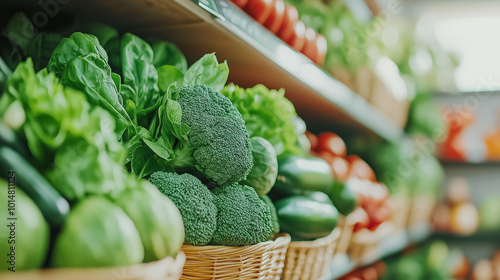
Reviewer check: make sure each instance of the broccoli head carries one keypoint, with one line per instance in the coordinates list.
(194, 201)
(218, 140)
(242, 217)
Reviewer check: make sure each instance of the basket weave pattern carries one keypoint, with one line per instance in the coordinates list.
(309, 260)
(260, 261)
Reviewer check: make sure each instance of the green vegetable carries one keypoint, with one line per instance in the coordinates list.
(140, 75)
(274, 215)
(15, 39)
(31, 233)
(109, 38)
(207, 71)
(343, 197)
(52, 205)
(306, 219)
(41, 47)
(194, 201)
(156, 218)
(302, 174)
(166, 53)
(268, 114)
(101, 233)
(77, 45)
(75, 146)
(320, 197)
(92, 75)
(265, 166)
(211, 133)
(242, 218)
(488, 214)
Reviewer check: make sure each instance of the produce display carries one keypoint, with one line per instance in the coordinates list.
(126, 153)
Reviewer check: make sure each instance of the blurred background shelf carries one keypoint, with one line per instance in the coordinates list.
(392, 244)
(475, 237)
(254, 55)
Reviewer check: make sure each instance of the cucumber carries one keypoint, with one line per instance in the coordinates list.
(8, 138)
(52, 205)
(300, 175)
(343, 197)
(306, 219)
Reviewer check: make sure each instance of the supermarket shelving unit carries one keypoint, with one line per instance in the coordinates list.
(254, 55)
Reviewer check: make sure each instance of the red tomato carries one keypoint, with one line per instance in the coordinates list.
(313, 139)
(240, 3)
(378, 214)
(340, 168)
(369, 273)
(275, 18)
(322, 48)
(360, 218)
(310, 48)
(259, 9)
(331, 143)
(360, 169)
(290, 18)
(298, 38)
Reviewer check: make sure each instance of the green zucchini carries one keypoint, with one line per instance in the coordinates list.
(300, 175)
(343, 197)
(52, 205)
(304, 218)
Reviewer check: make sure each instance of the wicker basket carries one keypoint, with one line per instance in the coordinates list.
(364, 243)
(165, 269)
(309, 260)
(260, 261)
(346, 226)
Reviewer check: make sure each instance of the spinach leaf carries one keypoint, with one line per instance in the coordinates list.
(14, 39)
(41, 48)
(207, 71)
(168, 74)
(143, 161)
(78, 44)
(166, 53)
(140, 74)
(109, 38)
(92, 75)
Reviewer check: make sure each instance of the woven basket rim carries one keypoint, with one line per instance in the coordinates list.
(279, 241)
(334, 235)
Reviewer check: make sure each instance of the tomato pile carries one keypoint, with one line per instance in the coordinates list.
(283, 20)
(372, 197)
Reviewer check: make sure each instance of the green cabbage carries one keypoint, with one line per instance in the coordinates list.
(265, 166)
(97, 233)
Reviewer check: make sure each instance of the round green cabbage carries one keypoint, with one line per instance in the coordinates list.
(157, 219)
(97, 233)
(265, 166)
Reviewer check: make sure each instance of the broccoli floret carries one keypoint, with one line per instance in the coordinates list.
(218, 140)
(242, 218)
(194, 201)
